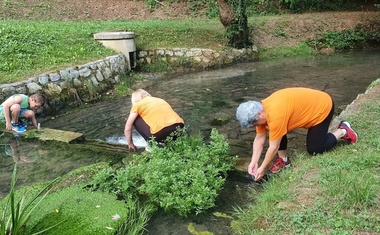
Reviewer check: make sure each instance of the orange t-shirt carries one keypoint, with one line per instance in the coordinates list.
(156, 112)
(292, 108)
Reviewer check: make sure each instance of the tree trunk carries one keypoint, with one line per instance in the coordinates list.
(226, 13)
(234, 18)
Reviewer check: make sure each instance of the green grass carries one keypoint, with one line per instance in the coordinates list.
(30, 48)
(285, 51)
(334, 193)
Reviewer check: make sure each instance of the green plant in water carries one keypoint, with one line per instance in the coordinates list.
(17, 213)
(184, 176)
(137, 218)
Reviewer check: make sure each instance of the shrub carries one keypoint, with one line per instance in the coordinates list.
(347, 39)
(184, 176)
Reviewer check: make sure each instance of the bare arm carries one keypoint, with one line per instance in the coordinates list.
(257, 149)
(34, 121)
(128, 130)
(269, 157)
(6, 108)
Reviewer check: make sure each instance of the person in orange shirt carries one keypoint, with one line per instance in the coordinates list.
(151, 117)
(284, 111)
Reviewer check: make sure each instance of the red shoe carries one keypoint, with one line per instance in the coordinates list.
(351, 135)
(278, 165)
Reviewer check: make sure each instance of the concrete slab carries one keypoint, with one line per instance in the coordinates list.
(47, 134)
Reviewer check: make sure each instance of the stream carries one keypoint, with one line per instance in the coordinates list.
(205, 100)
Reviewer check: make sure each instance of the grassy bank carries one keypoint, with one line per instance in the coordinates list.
(29, 48)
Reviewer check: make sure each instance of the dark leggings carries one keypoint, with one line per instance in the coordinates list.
(144, 130)
(318, 138)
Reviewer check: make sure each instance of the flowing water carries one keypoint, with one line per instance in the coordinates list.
(205, 100)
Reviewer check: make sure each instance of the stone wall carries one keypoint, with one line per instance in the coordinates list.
(73, 86)
(197, 58)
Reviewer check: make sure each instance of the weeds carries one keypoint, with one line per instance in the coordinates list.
(346, 39)
(17, 213)
(184, 176)
(137, 218)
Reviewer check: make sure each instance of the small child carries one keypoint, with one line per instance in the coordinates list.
(20, 106)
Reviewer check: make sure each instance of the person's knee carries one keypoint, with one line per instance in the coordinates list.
(28, 114)
(15, 108)
(314, 150)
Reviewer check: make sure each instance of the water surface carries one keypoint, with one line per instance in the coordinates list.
(205, 100)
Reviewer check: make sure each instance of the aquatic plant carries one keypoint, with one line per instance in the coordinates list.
(82, 212)
(184, 176)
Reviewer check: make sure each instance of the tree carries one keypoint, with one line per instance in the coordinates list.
(233, 16)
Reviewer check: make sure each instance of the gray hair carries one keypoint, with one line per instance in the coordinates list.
(248, 112)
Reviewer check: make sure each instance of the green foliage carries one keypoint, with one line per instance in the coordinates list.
(187, 173)
(283, 51)
(238, 32)
(26, 45)
(125, 83)
(137, 218)
(346, 39)
(184, 176)
(18, 211)
(298, 6)
(158, 66)
(81, 211)
(152, 4)
(267, 7)
(212, 10)
(263, 7)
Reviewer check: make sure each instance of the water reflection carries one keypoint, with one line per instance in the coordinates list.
(44, 161)
(25, 153)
